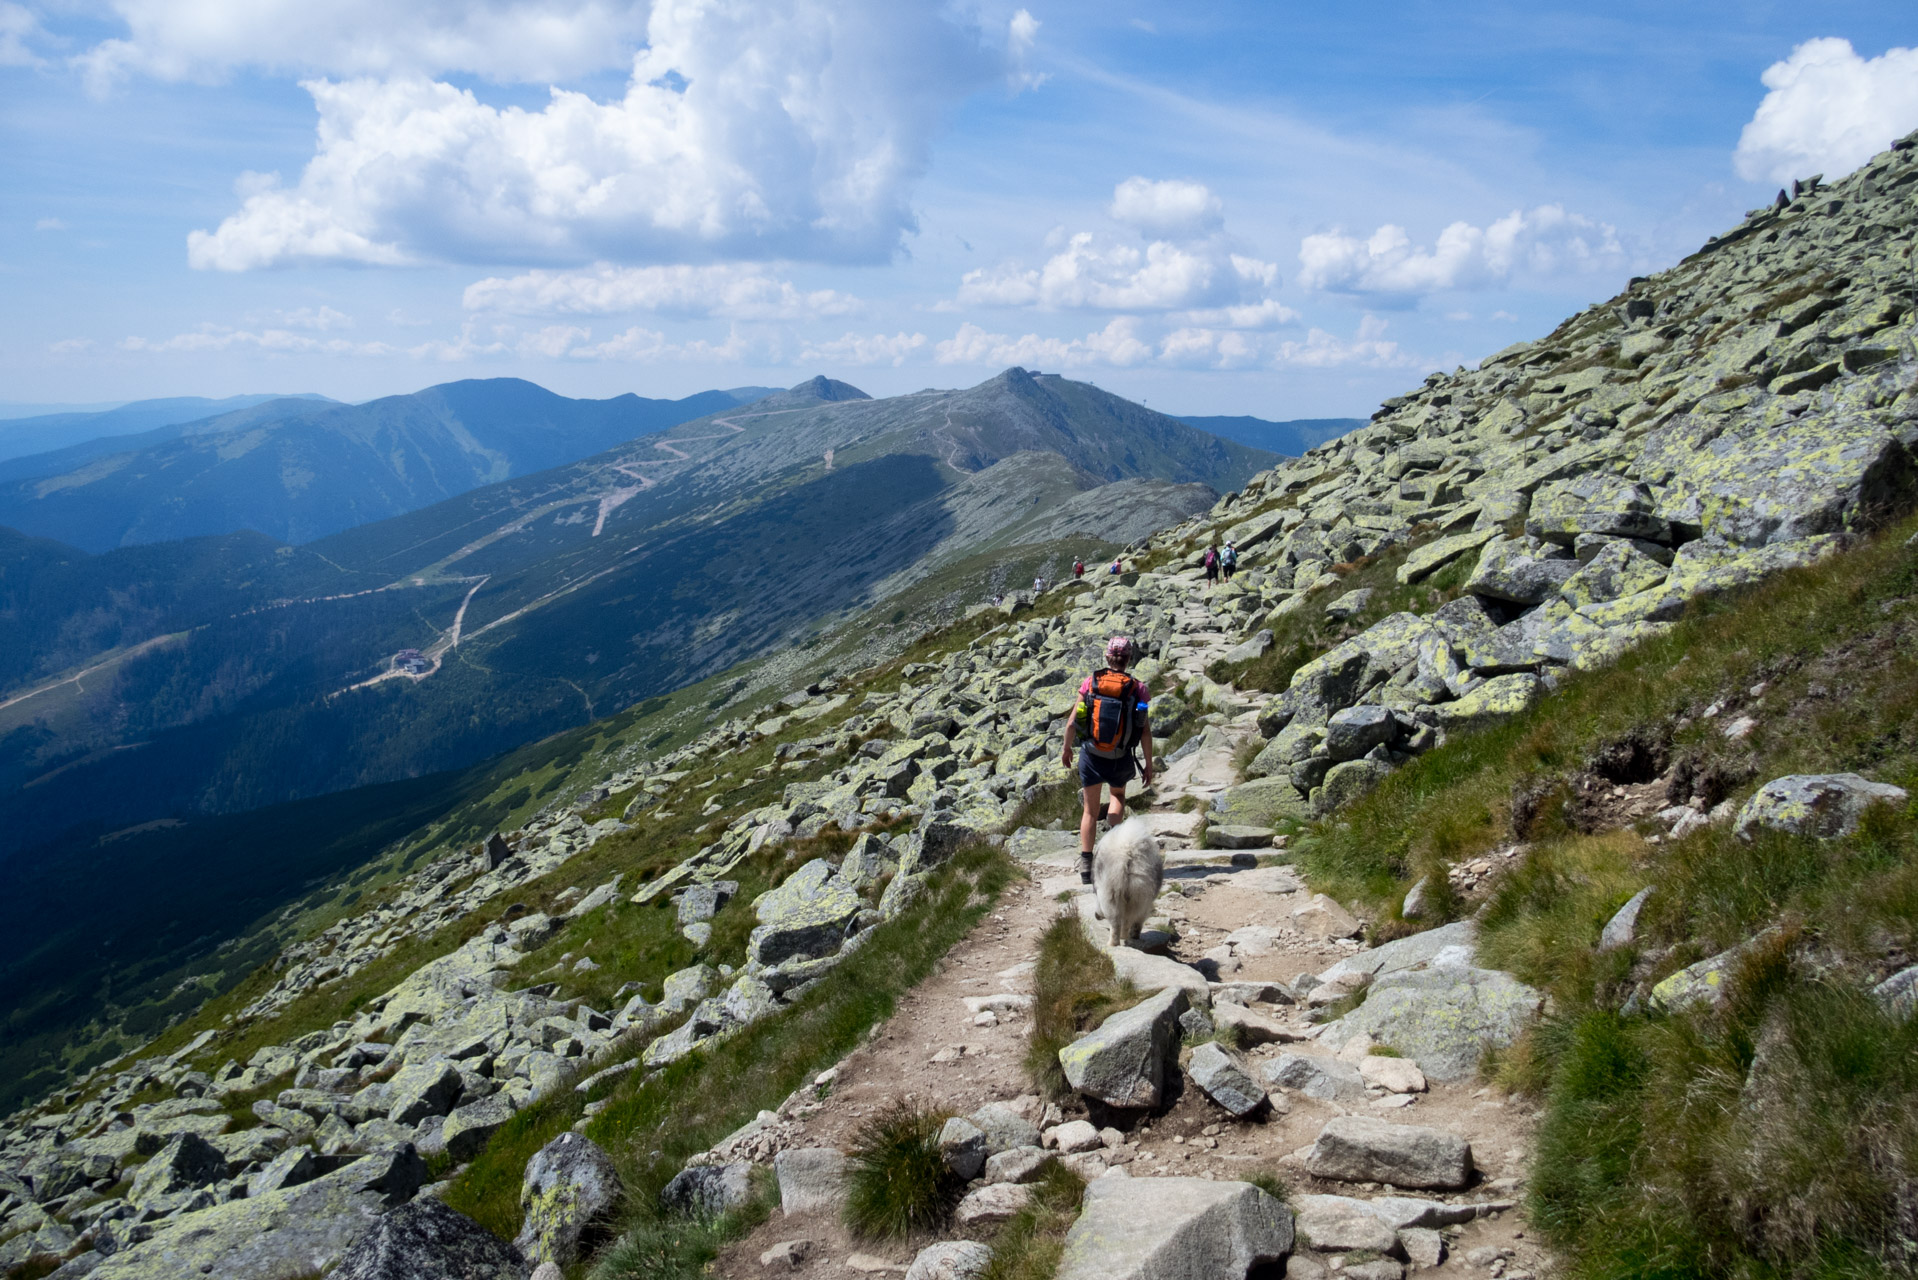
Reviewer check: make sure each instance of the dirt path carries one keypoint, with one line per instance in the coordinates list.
(937, 1051)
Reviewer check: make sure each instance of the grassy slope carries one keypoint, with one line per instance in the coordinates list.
(1777, 1135)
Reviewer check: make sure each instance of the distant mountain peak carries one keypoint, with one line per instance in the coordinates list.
(823, 388)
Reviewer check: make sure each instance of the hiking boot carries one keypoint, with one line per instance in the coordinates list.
(1085, 868)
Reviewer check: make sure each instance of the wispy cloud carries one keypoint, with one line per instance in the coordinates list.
(740, 291)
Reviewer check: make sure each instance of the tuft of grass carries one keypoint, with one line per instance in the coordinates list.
(1271, 1183)
(1075, 988)
(897, 1182)
(676, 1248)
(1030, 1243)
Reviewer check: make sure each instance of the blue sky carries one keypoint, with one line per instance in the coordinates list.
(1280, 209)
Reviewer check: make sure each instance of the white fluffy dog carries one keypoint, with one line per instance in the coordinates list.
(1126, 873)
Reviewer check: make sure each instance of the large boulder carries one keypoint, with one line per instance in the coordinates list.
(1495, 701)
(1757, 479)
(1406, 953)
(1122, 1063)
(283, 1235)
(1599, 503)
(186, 1164)
(806, 916)
(1445, 1017)
(962, 1145)
(569, 1188)
(1814, 804)
(1362, 1149)
(468, 1129)
(423, 1089)
(1346, 782)
(1175, 1229)
(1354, 731)
(708, 1190)
(1004, 1128)
(1521, 570)
(425, 1240)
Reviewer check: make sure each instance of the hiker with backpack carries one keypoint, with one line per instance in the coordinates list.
(1211, 563)
(1078, 570)
(1228, 560)
(1113, 716)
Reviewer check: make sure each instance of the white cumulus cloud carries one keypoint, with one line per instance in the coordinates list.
(1544, 241)
(1181, 262)
(1165, 208)
(739, 291)
(751, 129)
(1117, 344)
(863, 348)
(1828, 111)
(502, 40)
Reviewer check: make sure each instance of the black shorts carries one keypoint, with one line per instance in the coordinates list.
(1211, 572)
(1097, 771)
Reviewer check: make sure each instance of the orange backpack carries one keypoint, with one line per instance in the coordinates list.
(1112, 712)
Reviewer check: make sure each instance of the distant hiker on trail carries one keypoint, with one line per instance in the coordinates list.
(1228, 560)
(1078, 569)
(1113, 715)
(1115, 566)
(1211, 563)
(1038, 585)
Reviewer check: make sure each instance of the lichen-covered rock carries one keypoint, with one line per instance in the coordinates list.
(283, 1235)
(1814, 804)
(1596, 503)
(1004, 1128)
(1346, 782)
(1495, 701)
(1167, 1228)
(1445, 1017)
(806, 916)
(188, 1163)
(423, 1089)
(470, 1126)
(1754, 482)
(1260, 803)
(569, 1188)
(1122, 1063)
(425, 1240)
(1521, 570)
(1618, 569)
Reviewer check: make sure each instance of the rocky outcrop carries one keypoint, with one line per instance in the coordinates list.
(1123, 1062)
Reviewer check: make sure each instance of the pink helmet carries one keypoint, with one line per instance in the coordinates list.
(1119, 650)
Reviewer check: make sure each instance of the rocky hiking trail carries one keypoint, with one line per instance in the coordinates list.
(1239, 933)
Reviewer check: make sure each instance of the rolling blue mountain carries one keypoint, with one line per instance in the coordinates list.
(297, 469)
(46, 432)
(1290, 437)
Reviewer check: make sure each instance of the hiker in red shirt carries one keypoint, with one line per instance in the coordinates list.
(1113, 715)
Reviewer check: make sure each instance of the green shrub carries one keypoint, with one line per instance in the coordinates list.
(897, 1182)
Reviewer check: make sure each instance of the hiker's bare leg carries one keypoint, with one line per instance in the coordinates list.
(1089, 822)
(1116, 814)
